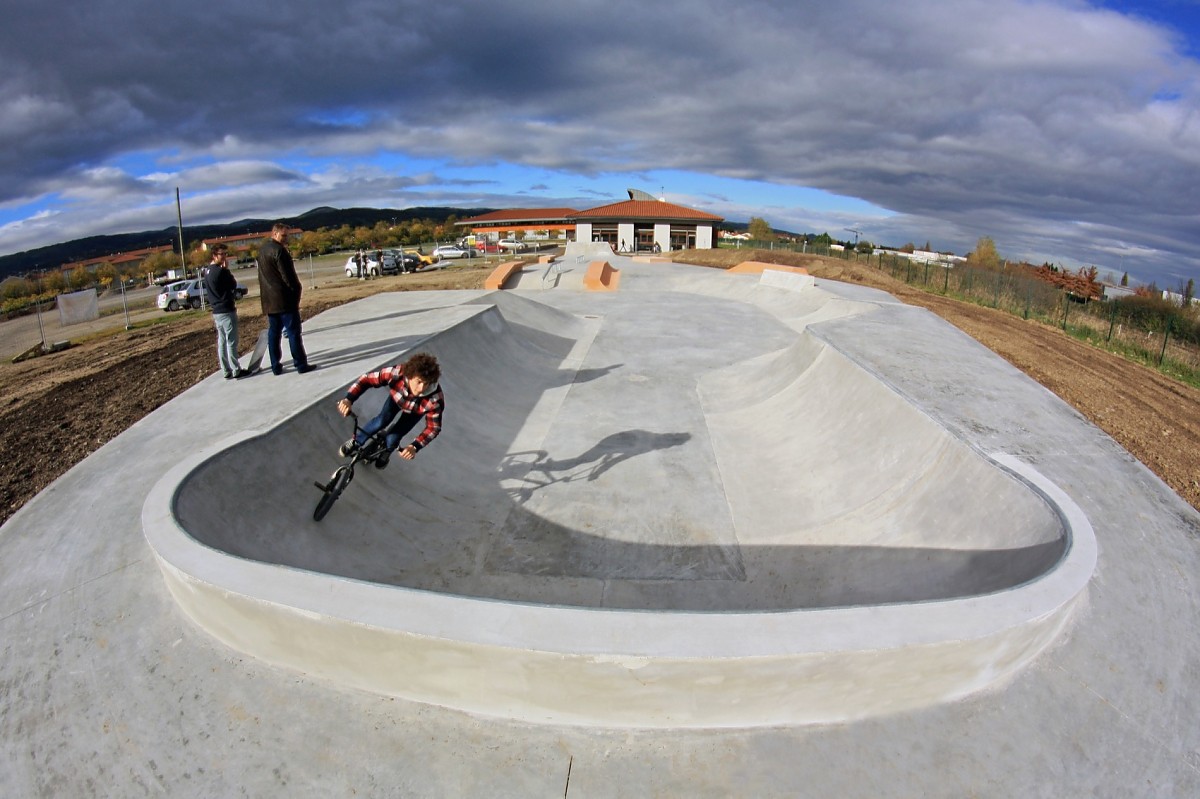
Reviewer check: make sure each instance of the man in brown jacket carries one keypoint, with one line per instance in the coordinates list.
(279, 291)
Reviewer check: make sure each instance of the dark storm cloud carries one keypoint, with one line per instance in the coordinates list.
(1059, 130)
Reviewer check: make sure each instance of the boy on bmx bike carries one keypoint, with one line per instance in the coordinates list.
(413, 393)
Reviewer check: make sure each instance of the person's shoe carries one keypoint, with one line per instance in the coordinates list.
(240, 373)
(277, 372)
(229, 375)
(348, 449)
(308, 367)
(381, 459)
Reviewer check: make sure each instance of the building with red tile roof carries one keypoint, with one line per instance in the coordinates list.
(119, 259)
(244, 241)
(640, 223)
(532, 224)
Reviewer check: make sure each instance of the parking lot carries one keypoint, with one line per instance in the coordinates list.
(138, 305)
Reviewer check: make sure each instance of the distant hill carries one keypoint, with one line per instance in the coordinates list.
(56, 255)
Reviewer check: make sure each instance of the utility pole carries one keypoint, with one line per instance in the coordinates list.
(179, 223)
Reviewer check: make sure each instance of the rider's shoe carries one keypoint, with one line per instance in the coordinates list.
(348, 449)
(381, 459)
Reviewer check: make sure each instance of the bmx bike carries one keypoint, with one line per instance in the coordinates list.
(369, 451)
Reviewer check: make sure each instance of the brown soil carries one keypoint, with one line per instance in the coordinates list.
(72, 402)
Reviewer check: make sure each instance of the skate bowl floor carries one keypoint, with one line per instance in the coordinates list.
(675, 505)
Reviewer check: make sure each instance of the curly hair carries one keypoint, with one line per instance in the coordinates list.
(424, 366)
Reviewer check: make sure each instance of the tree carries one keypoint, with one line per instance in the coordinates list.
(984, 255)
(107, 273)
(197, 257)
(1125, 279)
(160, 262)
(759, 229)
(80, 277)
(311, 244)
(53, 282)
(1188, 292)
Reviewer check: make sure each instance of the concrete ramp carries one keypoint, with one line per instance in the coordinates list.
(619, 516)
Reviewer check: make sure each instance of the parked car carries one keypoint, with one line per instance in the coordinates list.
(407, 261)
(426, 260)
(187, 294)
(454, 251)
(516, 245)
(373, 267)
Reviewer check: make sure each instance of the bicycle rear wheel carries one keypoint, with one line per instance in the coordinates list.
(333, 489)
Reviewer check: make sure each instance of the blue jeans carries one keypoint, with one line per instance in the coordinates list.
(227, 342)
(381, 420)
(285, 324)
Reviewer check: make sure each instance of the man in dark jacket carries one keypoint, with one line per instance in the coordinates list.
(279, 291)
(221, 288)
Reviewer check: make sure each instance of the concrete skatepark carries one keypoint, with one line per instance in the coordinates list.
(709, 534)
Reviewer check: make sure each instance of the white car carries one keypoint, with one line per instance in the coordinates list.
(453, 251)
(187, 294)
(372, 268)
(513, 244)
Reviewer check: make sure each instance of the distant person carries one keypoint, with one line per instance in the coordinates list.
(221, 287)
(279, 291)
(358, 262)
(379, 259)
(413, 393)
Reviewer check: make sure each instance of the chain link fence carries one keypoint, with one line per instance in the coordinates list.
(1144, 329)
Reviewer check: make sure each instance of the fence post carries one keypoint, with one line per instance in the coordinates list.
(1166, 337)
(946, 279)
(996, 294)
(1028, 297)
(1112, 322)
(1066, 307)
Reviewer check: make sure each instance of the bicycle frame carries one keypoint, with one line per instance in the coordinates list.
(367, 451)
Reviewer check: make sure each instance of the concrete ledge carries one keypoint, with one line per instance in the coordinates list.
(757, 267)
(792, 281)
(545, 259)
(621, 668)
(500, 275)
(601, 276)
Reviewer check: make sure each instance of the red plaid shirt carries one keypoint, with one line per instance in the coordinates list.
(430, 405)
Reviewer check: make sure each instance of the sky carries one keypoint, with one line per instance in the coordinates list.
(1067, 132)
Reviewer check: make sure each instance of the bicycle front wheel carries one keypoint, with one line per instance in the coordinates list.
(337, 484)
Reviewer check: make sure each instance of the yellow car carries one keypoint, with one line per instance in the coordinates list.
(420, 256)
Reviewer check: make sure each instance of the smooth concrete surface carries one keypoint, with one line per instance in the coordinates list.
(111, 689)
(909, 562)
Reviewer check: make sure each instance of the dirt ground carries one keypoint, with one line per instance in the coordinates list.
(70, 403)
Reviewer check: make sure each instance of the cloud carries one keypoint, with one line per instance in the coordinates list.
(1065, 132)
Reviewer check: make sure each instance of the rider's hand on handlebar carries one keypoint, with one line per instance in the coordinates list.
(343, 406)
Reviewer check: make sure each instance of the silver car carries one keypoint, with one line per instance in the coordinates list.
(454, 251)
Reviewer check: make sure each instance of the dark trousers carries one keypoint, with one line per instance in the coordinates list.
(405, 423)
(285, 324)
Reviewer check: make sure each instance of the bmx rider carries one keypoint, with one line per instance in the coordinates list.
(413, 393)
